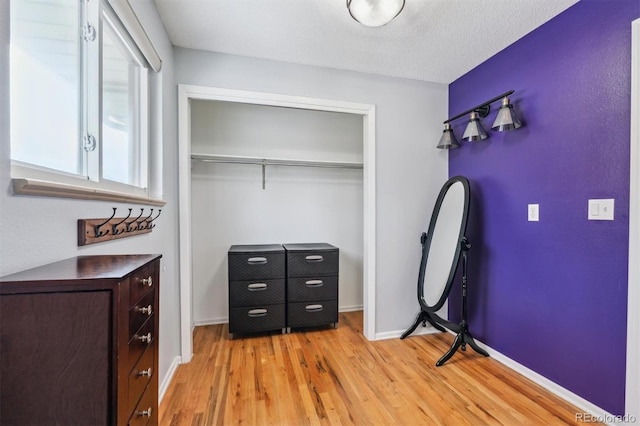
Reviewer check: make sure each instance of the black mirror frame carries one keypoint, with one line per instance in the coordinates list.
(427, 244)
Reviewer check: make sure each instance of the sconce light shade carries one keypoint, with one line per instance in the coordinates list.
(474, 130)
(374, 13)
(448, 139)
(506, 118)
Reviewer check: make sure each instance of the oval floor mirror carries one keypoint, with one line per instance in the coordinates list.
(443, 245)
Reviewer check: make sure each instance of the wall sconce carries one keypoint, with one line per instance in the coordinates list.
(505, 120)
(374, 13)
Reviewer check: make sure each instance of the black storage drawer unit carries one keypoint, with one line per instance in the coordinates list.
(256, 261)
(310, 314)
(312, 284)
(301, 289)
(257, 290)
(304, 260)
(247, 319)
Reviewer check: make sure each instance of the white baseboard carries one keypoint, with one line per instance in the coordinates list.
(596, 413)
(351, 308)
(397, 333)
(211, 321)
(164, 385)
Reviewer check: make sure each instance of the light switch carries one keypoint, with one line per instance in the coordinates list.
(533, 212)
(601, 209)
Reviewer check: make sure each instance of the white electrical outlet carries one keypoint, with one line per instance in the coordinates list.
(533, 212)
(601, 209)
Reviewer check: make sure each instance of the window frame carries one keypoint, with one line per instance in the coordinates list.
(31, 179)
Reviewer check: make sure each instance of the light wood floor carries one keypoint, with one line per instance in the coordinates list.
(336, 376)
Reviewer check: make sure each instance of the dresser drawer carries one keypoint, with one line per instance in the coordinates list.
(256, 292)
(142, 281)
(312, 263)
(140, 376)
(303, 289)
(247, 266)
(141, 340)
(146, 412)
(141, 311)
(257, 318)
(310, 314)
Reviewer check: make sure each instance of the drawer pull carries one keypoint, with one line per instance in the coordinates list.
(148, 310)
(314, 258)
(145, 373)
(313, 308)
(257, 260)
(146, 338)
(147, 281)
(314, 283)
(257, 286)
(145, 413)
(254, 313)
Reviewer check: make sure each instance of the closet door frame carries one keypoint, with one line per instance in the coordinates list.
(187, 93)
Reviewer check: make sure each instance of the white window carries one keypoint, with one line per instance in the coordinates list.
(124, 107)
(45, 70)
(79, 96)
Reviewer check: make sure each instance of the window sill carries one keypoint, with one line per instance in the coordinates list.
(22, 186)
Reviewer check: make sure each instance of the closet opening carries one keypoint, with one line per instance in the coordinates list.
(258, 168)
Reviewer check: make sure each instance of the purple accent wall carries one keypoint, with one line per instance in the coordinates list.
(552, 295)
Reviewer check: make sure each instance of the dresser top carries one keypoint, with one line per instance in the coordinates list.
(84, 267)
(310, 247)
(256, 248)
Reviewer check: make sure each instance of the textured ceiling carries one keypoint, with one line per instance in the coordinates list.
(431, 40)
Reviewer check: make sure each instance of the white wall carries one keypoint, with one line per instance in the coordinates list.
(39, 230)
(410, 170)
(298, 205)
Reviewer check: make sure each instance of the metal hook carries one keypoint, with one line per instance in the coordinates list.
(96, 228)
(139, 227)
(114, 227)
(128, 227)
(149, 225)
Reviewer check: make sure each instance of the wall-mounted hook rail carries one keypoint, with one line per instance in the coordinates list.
(128, 227)
(96, 230)
(149, 224)
(114, 226)
(140, 225)
(92, 231)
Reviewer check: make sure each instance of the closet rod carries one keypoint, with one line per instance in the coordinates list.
(264, 162)
(276, 162)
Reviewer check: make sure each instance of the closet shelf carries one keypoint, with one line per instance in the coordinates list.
(264, 162)
(236, 159)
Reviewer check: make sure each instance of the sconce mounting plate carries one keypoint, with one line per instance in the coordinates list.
(483, 111)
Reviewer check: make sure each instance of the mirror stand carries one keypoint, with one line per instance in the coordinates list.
(423, 317)
(463, 337)
(442, 246)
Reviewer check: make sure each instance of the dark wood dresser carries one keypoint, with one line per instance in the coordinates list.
(79, 342)
(312, 284)
(257, 290)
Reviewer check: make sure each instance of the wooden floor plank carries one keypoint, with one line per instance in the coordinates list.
(326, 376)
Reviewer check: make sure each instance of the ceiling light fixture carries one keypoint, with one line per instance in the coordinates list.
(374, 13)
(505, 120)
